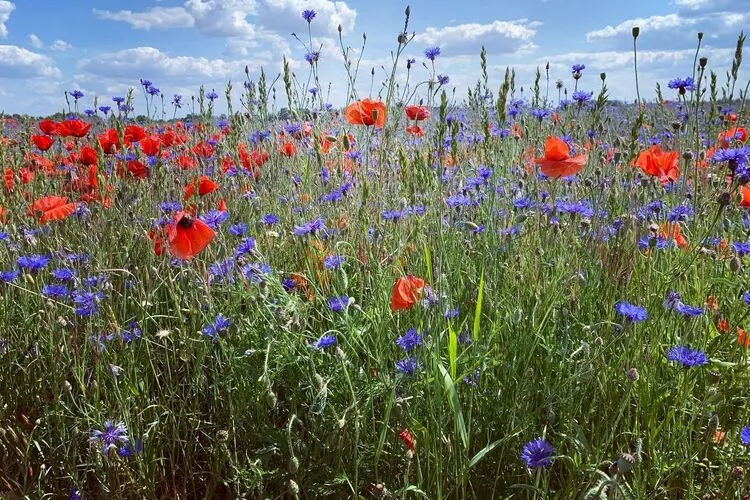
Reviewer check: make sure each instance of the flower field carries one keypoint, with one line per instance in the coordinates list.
(513, 293)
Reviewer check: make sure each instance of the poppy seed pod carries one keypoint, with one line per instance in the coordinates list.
(636, 31)
(700, 36)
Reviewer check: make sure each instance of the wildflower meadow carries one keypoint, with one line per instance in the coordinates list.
(535, 292)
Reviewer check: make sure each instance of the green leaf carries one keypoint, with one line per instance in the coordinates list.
(478, 309)
(452, 350)
(455, 406)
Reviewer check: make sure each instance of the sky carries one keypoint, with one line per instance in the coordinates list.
(102, 49)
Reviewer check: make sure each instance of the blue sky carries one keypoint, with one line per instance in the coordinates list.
(103, 47)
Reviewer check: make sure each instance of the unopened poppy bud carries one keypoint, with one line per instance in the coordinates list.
(222, 436)
(687, 155)
(293, 465)
(653, 228)
(294, 488)
(340, 28)
(636, 31)
(402, 38)
(603, 76)
(735, 264)
(625, 463)
(703, 61)
(407, 11)
(676, 126)
(714, 377)
(700, 36)
(633, 375)
(724, 199)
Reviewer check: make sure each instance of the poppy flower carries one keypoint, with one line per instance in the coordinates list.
(672, 231)
(150, 145)
(203, 149)
(9, 179)
(415, 130)
(188, 236)
(417, 113)
(88, 156)
(407, 290)
(52, 208)
(158, 238)
(408, 439)
(738, 134)
(658, 163)
(745, 196)
(137, 169)
(205, 186)
(287, 149)
(557, 161)
(109, 141)
(48, 127)
(74, 128)
(366, 112)
(42, 142)
(133, 133)
(743, 338)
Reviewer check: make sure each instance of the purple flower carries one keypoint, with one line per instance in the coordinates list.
(219, 325)
(431, 53)
(239, 229)
(129, 450)
(9, 276)
(577, 68)
(324, 341)
(86, 303)
(409, 340)
(334, 261)
(630, 312)
(214, 218)
(686, 356)
(338, 304)
(33, 262)
(537, 453)
(308, 15)
(63, 274)
(270, 219)
(582, 97)
(108, 438)
(246, 246)
(55, 291)
(745, 435)
(443, 79)
(312, 57)
(310, 227)
(682, 84)
(746, 298)
(408, 365)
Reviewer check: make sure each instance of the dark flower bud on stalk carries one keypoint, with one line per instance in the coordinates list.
(408, 11)
(724, 199)
(402, 38)
(687, 155)
(603, 76)
(633, 375)
(703, 61)
(340, 29)
(636, 31)
(625, 463)
(700, 36)
(735, 264)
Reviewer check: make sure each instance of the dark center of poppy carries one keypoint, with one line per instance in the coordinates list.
(186, 221)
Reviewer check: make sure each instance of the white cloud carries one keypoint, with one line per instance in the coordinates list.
(499, 37)
(647, 24)
(17, 62)
(245, 19)
(60, 46)
(693, 4)
(6, 8)
(155, 18)
(35, 41)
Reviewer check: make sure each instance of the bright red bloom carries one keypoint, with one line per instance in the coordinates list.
(187, 236)
(52, 208)
(42, 142)
(109, 141)
(133, 133)
(48, 127)
(150, 145)
(407, 290)
(415, 130)
(205, 186)
(88, 156)
(417, 113)
(366, 112)
(727, 137)
(408, 439)
(74, 128)
(137, 169)
(9, 179)
(557, 161)
(745, 196)
(203, 149)
(658, 163)
(287, 149)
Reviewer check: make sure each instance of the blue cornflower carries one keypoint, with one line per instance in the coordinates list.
(745, 435)
(9, 276)
(288, 284)
(312, 57)
(660, 243)
(539, 113)
(55, 291)
(443, 79)
(577, 68)
(89, 112)
(133, 332)
(582, 97)
(431, 53)
(105, 109)
(686, 356)
(169, 207)
(746, 298)
(87, 303)
(742, 249)
(177, 101)
(308, 15)
(408, 365)
(74, 494)
(681, 213)
(129, 450)
(409, 62)
(270, 219)
(256, 273)
(310, 227)
(246, 246)
(682, 84)
(334, 261)
(537, 453)
(33, 262)
(630, 312)
(146, 83)
(153, 91)
(108, 438)
(738, 156)
(451, 313)
(409, 340)
(212, 96)
(119, 100)
(239, 229)
(64, 274)
(219, 325)
(687, 310)
(76, 94)
(214, 218)
(338, 304)
(324, 341)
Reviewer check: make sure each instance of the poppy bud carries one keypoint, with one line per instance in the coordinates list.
(340, 29)
(636, 31)
(633, 375)
(603, 76)
(293, 465)
(402, 38)
(738, 472)
(408, 11)
(724, 199)
(735, 264)
(687, 155)
(703, 61)
(700, 36)
(294, 488)
(625, 463)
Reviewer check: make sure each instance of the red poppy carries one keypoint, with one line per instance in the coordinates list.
(366, 112)
(137, 169)
(408, 439)
(727, 137)
(42, 142)
(745, 196)
(672, 231)
(133, 133)
(150, 145)
(287, 149)
(74, 128)
(186, 162)
(9, 179)
(205, 186)
(52, 208)
(188, 236)
(203, 149)
(658, 163)
(415, 130)
(88, 156)
(557, 161)
(48, 127)
(158, 238)
(407, 290)
(417, 113)
(723, 325)
(743, 338)
(221, 206)
(109, 141)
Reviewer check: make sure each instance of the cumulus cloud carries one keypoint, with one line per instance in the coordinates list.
(499, 37)
(17, 62)
(6, 8)
(35, 41)
(60, 46)
(244, 19)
